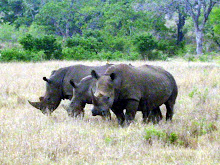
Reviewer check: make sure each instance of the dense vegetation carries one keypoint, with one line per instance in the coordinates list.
(35, 30)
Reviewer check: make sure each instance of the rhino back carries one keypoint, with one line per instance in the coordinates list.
(77, 72)
(144, 83)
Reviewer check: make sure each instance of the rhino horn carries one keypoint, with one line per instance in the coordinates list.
(94, 99)
(37, 105)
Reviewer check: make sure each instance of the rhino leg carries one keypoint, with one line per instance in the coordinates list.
(155, 115)
(169, 114)
(131, 109)
(120, 116)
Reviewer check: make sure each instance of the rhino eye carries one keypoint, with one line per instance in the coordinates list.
(106, 98)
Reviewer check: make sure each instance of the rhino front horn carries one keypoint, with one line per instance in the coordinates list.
(37, 105)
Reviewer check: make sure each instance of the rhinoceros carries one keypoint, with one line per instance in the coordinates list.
(58, 86)
(131, 88)
(83, 95)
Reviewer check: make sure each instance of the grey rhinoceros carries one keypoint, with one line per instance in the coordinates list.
(58, 86)
(83, 95)
(142, 88)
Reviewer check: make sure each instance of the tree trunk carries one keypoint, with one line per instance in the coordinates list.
(199, 41)
(180, 25)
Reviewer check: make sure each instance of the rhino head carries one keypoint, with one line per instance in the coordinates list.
(52, 98)
(77, 103)
(103, 97)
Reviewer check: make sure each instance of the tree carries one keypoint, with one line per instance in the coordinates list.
(199, 11)
(11, 10)
(167, 8)
(215, 20)
(145, 43)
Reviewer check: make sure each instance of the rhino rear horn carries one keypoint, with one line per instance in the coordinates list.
(37, 105)
(94, 99)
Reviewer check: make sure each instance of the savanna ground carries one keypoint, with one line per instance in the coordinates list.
(29, 137)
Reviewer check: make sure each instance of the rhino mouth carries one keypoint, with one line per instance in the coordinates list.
(103, 114)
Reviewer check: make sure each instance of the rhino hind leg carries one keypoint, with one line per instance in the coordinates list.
(155, 115)
(169, 107)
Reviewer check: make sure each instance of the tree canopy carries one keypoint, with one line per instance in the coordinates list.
(116, 26)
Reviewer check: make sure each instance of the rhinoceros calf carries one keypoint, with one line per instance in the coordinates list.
(82, 95)
(126, 87)
(58, 86)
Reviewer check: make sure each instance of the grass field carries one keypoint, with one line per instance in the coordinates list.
(29, 137)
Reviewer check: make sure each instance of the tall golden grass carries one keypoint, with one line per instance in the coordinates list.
(29, 137)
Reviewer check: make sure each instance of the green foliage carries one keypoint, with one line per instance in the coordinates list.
(100, 29)
(8, 33)
(199, 128)
(16, 54)
(90, 44)
(77, 53)
(152, 134)
(27, 42)
(145, 43)
(48, 44)
(215, 19)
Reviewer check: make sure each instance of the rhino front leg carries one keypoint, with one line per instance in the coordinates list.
(120, 115)
(131, 109)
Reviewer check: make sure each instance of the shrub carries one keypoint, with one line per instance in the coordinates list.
(90, 44)
(48, 44)
(77, 53)
(132, 56)
(145, 43)
(16, 54)
(28, 42)
(152, 134)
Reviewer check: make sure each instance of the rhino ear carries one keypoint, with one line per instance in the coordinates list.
(112, 75)
(73, 84)
(46, 79)
(95, 75)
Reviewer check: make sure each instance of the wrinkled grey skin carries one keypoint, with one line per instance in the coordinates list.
(58, 86)
(142, 88)
(82, 96)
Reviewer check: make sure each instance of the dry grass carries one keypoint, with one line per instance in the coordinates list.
(29, 137)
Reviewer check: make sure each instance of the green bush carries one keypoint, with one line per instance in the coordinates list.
(48, 44)
(90, 44)
(28, 42)
(77, 53)
(8, 33)
(152, 134)
(132, 56)
(145, 44)
(16, 54)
